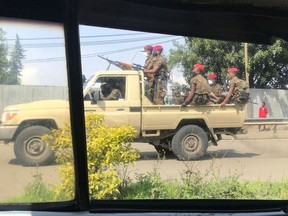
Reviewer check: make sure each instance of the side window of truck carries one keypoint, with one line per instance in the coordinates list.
(111, 88)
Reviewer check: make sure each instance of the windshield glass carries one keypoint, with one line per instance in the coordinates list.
(33, 81)
(206, 118)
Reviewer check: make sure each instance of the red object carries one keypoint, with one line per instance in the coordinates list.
(148, 47)
(157, 47)
(263, 111)
(212, 76)
(233, 70)
(200, 66)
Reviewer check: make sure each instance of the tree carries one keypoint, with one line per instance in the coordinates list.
(181, 87)
(4, 64)
(15, 64)
(267, 63)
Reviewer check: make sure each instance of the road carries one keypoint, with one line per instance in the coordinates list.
(252, 159)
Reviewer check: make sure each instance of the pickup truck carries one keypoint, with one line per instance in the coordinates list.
(184, 132)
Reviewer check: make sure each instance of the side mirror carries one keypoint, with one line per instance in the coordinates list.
(95, 95)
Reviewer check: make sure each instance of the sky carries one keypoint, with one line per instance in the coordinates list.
(44, 62)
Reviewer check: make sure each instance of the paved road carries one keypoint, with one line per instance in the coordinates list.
(253, 159)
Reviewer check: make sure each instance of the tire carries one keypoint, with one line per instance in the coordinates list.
(164, 152)
(30, 150)
(190, 143)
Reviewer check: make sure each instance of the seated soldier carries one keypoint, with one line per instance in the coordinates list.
(215, 87)
(200, 90)
(238, 89)
(109, 92)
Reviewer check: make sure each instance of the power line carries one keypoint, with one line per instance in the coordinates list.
(93, 43)
(90, 55)
(87, 36)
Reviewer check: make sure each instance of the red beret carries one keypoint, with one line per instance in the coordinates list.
(157, 47)
(212, 76)
(200, 66)
(233, 70)
(148, 47)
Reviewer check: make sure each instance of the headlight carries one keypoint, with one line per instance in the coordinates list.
(8, 115)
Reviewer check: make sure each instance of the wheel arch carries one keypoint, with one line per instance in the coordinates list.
(49, 123)
(199, 122)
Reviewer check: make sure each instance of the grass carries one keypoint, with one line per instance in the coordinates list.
(191, 185)
(194, 185)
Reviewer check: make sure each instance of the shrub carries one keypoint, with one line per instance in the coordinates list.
(107, 147)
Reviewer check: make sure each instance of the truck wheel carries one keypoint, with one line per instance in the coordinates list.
(30, 149)
(164, 152)
(190, 143)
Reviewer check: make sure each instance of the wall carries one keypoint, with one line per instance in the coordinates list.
(276, 101)
(15, 94)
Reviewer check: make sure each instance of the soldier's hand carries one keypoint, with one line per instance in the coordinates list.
(222, 104)
(183, 105)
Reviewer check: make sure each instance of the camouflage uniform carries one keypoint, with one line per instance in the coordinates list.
(115, 94)
(238, 88)
(160, 79)
(202, 87)
(178, 98)
(216, 89)
(148, 65)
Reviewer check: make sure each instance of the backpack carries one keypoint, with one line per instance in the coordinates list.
(244, 84)
(242, 97)
(200, 99)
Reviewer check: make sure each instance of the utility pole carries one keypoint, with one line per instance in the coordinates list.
(246, 63)
(248, 108)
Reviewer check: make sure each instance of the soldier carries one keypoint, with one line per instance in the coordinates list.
(148, 51)
(215, 87)
(110, 92)
(199, 88)
(238, 89)
(160, 71)
(177, 96)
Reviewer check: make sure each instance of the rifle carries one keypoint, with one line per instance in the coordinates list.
(121, 65)
(125, 66)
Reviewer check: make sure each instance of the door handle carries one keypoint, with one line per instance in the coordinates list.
(120, 109)
(90, 110)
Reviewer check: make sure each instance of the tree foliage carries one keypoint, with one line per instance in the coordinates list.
(107, 148)
(267, 63)
(15, 64)
(4, 63)
(10, 63)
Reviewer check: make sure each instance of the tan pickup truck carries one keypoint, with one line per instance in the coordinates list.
(184, 132)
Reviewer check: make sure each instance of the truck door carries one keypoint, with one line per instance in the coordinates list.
(108, 97)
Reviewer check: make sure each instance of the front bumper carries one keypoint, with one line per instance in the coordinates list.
(7, 132)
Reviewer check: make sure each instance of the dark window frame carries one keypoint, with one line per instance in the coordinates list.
(66, 11)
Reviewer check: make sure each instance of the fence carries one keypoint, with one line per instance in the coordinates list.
(15, 94)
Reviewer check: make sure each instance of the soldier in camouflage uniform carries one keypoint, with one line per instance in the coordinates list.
(215, 87)
(110, 92)
(235, 87)
(177, 96)
(200, 89)
(159, 70)
(148, 50)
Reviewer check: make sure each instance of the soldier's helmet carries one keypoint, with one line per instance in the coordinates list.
(148, 48)
(233, 70)
(157, 48)
(212, 76)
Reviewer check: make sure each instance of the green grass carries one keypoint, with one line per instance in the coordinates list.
(197, 186)
(36, 191)
(192, 185)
